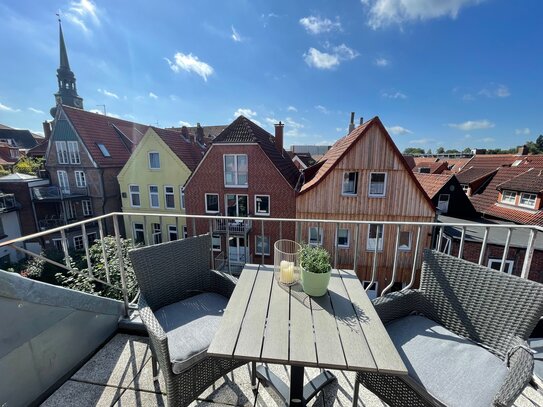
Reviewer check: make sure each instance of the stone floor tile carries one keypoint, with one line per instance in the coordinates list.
(233, 389)
(144, 380)
(78, 394)
(133, 398)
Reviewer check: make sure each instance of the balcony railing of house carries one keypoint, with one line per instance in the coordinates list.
(233, 226)
(8, 203)
(50, 222)
(439, 232)
(53, 192)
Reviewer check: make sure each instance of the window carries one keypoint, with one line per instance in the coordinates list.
(139, 233)
(185, 232)
(378, 181)
(262, 205)
(258, 245)
(169, 197)
(14, 153)
(424, 170)
(375, 237)
(509, 197)
(73, 151)
(446, 245)
(443, 203)
(157, 233)
(350, 183)
(78, 243)
(172, 233)
(70, 211)
(496, 265)
(154, 160)
(57, 243)
(212, 203)
(236, 205)
(343, 238)
(315, 236)
(216, 243)
(103, 150)
(153, 196)
(62, 152)
(371, 291)
(404, 243)
(235, 170)
(465, 188)
(87, 207)
(91, 238)
(80, 180)
(63, 182)
(527, 200)
(135, 201)
(182, 197)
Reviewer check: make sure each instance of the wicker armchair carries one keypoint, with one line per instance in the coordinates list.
(489, 308)
(170, 275)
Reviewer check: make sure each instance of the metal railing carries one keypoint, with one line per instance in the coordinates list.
(8, 202)
(442, 236)
(53, 192)
(233, 226)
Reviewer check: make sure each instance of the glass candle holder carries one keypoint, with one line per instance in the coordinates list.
(287, 261)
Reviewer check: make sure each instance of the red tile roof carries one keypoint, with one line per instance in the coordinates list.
(529, 181)
(472, 174)
(419, 160)
(120, 137)
(435, 167)
(493, 160)
(410, 160)
(432, 183)
(457, 164)
(189, 152)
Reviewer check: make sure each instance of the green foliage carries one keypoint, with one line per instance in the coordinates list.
(429, 151)
(440, 150)
(38, 269)
(315, 259)
(3, 171)
(27, 165)
(413, 151)
(466, 150)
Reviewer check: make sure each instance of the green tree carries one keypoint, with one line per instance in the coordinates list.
(539, 143)
(28, 165)
(3, 171)
(429, 151)
(466, 150)
(413, 151)
(452, 151)
(440, 150)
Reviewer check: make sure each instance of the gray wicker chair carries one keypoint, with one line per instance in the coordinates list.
(489, 308)
(172, 274)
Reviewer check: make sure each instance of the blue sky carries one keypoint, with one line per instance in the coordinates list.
(455, 73)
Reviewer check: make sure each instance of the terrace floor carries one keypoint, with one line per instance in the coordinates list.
(120, 374)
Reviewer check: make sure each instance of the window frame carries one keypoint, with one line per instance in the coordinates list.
(135, 231)
(80, 176)
(465, 188)
(524, 205)
(236, 171)
(62, 152)
(343, 246)
(373, 290)
(76, 244)
(237, 215)
(213, 246)
(130, 193)
(172, 229)
(103, 149)
(73, 149)
(149, 161)
(355, 193)
(156, 232)
(256, 205)
(319, 234)
(169, 194)
(408, 248)
(152, 194)
(509, 265)
(66, 188)
(383, 195)
(379, 245)
(86, 207)
(182, 197)
(205, 203)
(257, 253)
(506, 191)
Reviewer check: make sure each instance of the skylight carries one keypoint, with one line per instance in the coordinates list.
(104, 150)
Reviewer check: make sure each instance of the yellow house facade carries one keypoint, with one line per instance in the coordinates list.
(152, 181)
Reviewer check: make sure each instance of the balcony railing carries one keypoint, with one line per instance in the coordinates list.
(8, 202)
(56, 193)
(233, 226)
(441, 238)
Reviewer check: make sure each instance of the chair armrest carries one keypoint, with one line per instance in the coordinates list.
(398, 304)
(222, 283)
(521, 368)
(157, 336)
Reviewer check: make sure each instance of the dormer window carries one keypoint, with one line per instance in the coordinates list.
(424, 170)
(527, 200)
(509, 197)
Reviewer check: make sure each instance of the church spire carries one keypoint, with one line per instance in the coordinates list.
(67, 91)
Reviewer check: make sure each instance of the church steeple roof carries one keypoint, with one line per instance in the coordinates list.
(64, 63)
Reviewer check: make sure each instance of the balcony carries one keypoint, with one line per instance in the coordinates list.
(55, 193)
(120, 370)
(233, 226)
(8, 203)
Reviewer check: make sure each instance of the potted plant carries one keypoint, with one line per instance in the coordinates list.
(316, 270)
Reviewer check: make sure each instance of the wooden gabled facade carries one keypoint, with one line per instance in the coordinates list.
(364, 177)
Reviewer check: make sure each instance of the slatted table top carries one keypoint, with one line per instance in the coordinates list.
(340, 330)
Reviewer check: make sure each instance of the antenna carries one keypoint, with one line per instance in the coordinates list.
(58, 15)
(104, 108)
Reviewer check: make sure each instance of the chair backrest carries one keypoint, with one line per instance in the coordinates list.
(480, 303)
(170, 272)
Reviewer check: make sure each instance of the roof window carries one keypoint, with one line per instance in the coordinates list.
(103, 149)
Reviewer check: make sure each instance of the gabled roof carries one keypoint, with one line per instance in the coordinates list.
(410, 160)
(188, 152)
(244, 131)
(23, 138)
(487, 197)
(119, 136)
(472, 174)
(432, 183)
(436, 167)
(334, 155)
(493, 160)
(38, 150)
(528, 181)
(457, 164)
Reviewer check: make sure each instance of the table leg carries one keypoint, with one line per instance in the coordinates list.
(297, 386)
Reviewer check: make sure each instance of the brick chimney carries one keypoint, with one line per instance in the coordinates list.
(279, 137)
(47, 129)
(361, 120)
(522, 150)
(351, 124)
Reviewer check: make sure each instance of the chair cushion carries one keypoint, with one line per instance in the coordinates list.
(190, 326)
(451, 369)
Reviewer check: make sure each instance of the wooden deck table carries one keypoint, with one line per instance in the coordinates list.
(271, 323)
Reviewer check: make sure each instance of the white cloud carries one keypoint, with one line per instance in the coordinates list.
(81, 12)
(317, 25)
(110, 114)
(248, 113)
(382, 62)
(38, 111)
(173, 98)
(526, 131)
(472, 125)
(6, 108)
(330, 59)
(385, 12)
(394, 95)
(467, 97)
(488, 140)
(235, 35)
(108, 93)
(322, 109)
(338, 129)
(153, 96)
(292, 109)
(398, 130)
(184, 123)
(190, 63)
(422, 141)
(271, 121)
(293, 128)
(495, 91)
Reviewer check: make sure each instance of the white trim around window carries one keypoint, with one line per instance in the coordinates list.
(73, 152)
(377, 188)
(62, 152)
(258, 252)
(169, 197)
(509, 197)
(78, 242)
(86, 205)
(378, 233)
(349, 185)
(207, 203)
(315, 236)
(172, 233)
(154, 196)
(154, 160)
(236, 176)
(527, 200)
(182, 197)
(260, 204)
(345, 236)
(216, 243)
(63, 181)
(496, 264)
(80, 179)
(134, 192)
(404, 243)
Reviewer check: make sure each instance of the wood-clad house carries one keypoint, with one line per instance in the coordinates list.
(364, 177)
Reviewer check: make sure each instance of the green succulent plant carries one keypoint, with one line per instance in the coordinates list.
(315, 259)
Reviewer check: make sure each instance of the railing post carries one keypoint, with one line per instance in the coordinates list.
(415, 255)
(211, 236)
(86, 246)
(356, 242)
(121, 263)
(104, 253)
(483, 246)
(375, 249)
(64, 242)
(298, 231)
(395, 264)
(193, 227)
(506, 249)
(261, 242)
(335, 246)
(440, 238)
(462, 241)
(529, 254)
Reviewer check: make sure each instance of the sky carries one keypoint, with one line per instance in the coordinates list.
(451, 73)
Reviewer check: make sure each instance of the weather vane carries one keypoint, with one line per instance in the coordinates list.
(58, 15)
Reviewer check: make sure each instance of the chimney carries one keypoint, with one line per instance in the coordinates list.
(351, 124)
(47, 129)
(522, 150)
(361, 120)
(279, 137)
